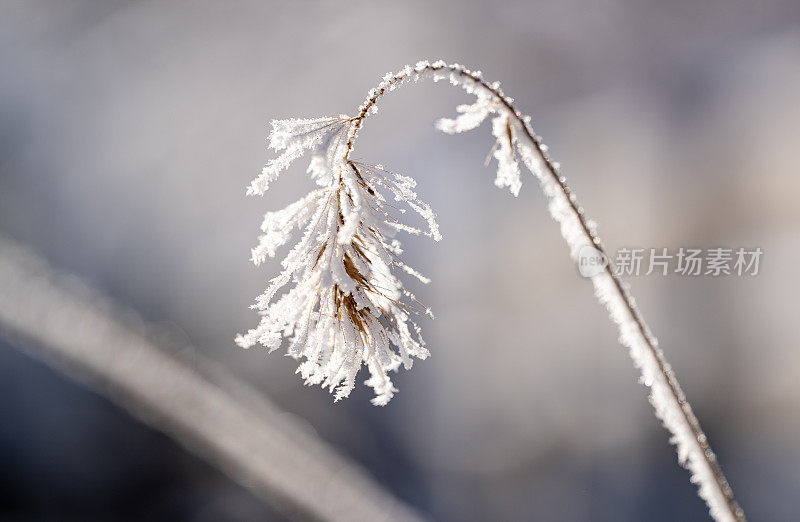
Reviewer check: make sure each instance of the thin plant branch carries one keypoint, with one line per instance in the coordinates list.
(347, 311)
(74, 330)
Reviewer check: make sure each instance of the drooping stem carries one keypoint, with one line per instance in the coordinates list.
(668, 399)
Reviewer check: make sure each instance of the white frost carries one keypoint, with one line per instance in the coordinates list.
(346, 307)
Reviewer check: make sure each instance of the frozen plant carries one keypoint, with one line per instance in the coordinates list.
(346, 306)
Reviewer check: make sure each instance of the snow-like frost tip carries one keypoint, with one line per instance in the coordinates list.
(342, 305)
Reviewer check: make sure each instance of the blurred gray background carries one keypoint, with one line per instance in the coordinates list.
(128, 131)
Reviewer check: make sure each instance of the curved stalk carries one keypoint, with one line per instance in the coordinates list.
(668, 400)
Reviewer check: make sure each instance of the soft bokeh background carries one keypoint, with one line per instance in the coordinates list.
(128, 131)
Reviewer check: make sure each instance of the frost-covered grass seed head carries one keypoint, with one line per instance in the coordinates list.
(346, 306)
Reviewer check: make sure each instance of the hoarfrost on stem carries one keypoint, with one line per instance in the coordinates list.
(346, 306)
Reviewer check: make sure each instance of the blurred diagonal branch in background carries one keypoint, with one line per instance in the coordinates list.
(216, 416)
